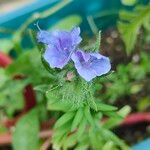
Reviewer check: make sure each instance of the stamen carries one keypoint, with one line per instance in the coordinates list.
(37, 24)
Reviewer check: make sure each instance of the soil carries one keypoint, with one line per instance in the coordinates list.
(133, 134)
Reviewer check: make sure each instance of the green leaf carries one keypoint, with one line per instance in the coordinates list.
(128, 2)
(11, 97)
(81, 128)
(55, 101)
(29, 64)
(129, 25)
(109, 146)
(68, 22)
(105, 107)
(53, 95)
(143, 103)
(98, 42)
(113, 115)
(113, 122)
(94, 140)
(3, 77)
(42, 88)
(60, 133)
(25, 136)
(124, 111)
(77, 119)
(82, 147)
(60, 106)
(110, 136)
(6, 45)
(88, 115)
(64, 119)
(70, 141)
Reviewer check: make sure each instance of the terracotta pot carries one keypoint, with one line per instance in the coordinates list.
(5, 60)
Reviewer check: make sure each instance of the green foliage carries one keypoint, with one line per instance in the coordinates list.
(128, 2)
(105, 107)
(3, 77)
(85, 132)
(25, 136)
(130, 24)
(11, 97)
(96, 46)
(77, 95)
(98, 43)
(68, 22)
(143, 103)
(64, 119)
(6, 45)
(82, 118)
(114, 121)
(127, 80)
(29, 65)
(77, 119)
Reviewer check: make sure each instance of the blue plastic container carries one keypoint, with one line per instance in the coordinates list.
(144, 145)
(82, 7)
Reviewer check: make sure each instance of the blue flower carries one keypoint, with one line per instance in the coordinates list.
(90, 65)
(60, 46)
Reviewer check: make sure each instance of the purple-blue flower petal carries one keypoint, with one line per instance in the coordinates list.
(61, 45)
(90, 65)
(55, 58)
(75, 32)
(46, 37)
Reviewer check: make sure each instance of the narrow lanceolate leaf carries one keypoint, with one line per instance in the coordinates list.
(92, 104)
(25, 136)
(94, 140)
(64, 119)
(88, 115)
(114, 121)
(82, 127)
(70, 141)
(60, 133)
(77, 119)
(113, 115)
(59, 106)
(105, 107)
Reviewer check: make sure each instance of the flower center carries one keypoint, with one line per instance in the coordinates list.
(88, 63)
